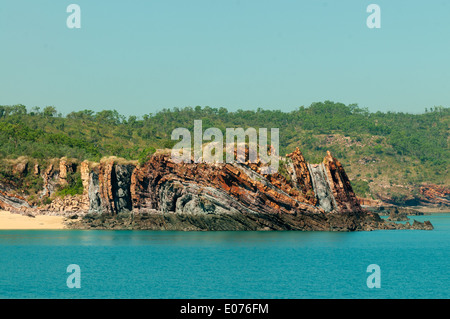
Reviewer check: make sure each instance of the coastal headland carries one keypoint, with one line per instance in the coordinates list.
(160, 194)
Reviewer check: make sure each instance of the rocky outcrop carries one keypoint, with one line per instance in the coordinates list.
(66, 206)
(435, 194)
(84, 173)
(108, 187)
(393, 211)
(66, 167)
(427, 195)
(162, 194)
(340, 185)
(165, 186)
(12, 202)
(397, 216)
(369, 202)
(51, 180)
(426, 225)
(21, 168)
(167, 195)
(121, 184)
(325, 197)
(105, 190)
(94, 198)
(302, 175)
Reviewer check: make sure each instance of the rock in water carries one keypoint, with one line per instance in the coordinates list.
(162, 194)
(395, 215)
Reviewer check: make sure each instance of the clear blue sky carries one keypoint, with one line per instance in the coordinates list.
(141, 56)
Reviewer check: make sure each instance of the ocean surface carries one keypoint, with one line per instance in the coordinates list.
(172, 265)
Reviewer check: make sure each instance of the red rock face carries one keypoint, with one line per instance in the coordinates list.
(65, 167)
(241, 187)
(160, 183)
(182, 196)
(12, 202)
(84, 172)
(165, 186)
(63, 170)
(340, 185)
(369, 202)
(49, 176)
(105, 186)
(303, 176)
(20, 169)
(435, 194)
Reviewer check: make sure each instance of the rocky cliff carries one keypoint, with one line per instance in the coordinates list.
(162, 194)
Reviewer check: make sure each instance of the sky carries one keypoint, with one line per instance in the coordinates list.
(139, 57)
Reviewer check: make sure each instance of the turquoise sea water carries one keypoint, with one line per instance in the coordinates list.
(151, 264)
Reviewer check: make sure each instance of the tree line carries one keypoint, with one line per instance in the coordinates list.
(45, 133)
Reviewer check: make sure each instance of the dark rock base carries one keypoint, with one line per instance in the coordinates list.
(240, 222)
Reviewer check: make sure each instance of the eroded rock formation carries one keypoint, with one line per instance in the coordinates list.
(435, 194)
(340, 185)
(162, 194)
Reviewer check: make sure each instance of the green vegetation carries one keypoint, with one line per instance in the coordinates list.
(28, 184)
(146, 154)
(73, 187)
(379, 150)
(361, 188)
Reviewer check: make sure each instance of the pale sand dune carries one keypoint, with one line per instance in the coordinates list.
(15, 221)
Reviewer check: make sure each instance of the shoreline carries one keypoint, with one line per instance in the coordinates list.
(15, 221)
(420, 209)
(430, 210)
(12, 221)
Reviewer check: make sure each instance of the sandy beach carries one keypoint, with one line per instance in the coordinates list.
(15, 221)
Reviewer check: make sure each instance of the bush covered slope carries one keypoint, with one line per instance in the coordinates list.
(385, 154)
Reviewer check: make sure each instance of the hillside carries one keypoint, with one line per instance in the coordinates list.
(396, 157)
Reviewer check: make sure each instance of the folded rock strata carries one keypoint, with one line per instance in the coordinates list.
(162, 194)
